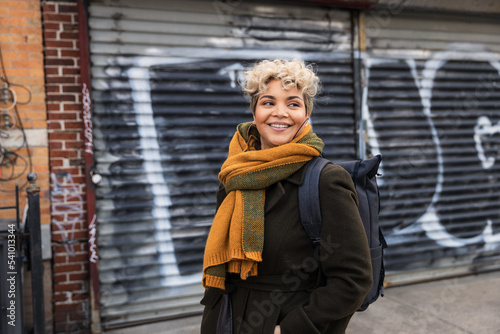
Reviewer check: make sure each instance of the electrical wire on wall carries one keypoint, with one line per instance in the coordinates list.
(13, 165)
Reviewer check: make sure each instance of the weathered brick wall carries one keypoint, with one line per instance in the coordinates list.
(69, 226)
(23, 71)
(22, 54)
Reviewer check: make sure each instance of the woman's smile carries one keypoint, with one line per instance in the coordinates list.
(279, 126)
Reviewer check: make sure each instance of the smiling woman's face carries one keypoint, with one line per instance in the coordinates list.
(279, 114)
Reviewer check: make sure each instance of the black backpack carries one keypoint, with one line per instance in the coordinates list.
(364, 176)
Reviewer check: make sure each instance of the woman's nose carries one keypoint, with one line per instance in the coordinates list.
(280, 111)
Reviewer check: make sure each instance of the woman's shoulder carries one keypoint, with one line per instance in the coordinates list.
(335, 177)
(336, 172)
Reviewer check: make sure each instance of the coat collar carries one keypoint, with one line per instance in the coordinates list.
(275, 192)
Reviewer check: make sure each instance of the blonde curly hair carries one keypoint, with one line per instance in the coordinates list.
(292, 73)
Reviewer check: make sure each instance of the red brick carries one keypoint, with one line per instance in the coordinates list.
(73, 125)
(59, 298)
(77, 145)
(61, 79)
(48, 7)
(63, 136)
(59, 62)
(67, 287)
(53, 107)
(52, 89)
(70, 53)
(54, 125)
(67, 307)
(61, 278)
(59, 44)
(59, 259)
(68, 35)
(55, 145)
(67, 268)
(49, 34)
(78, 257)
(51, 26)
(78, 276)
(71, 88)
(80, 235)
(51, 71)
(56, 163)
(58, 237)
(73, 171)
(61, 98)
(79, 179)
(62, 116)
(57, 17)
(63, 154)
(72, 107)
(76, 162)
(70, 27)
(68, 8)
(77, 247)
(69, 71)
(66, 227)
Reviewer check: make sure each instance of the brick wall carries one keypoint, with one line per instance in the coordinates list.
(64, 110)
(22, 53)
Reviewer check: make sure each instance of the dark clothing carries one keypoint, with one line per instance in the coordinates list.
(285, 290)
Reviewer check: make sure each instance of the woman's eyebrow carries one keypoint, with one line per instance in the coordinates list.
(267, 97)
(273, 98)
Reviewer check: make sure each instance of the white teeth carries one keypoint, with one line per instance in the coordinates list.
(279, 125)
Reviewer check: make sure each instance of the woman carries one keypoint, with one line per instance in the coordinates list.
(260, 269)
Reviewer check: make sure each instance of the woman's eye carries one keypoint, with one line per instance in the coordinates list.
(268, 103)
(296, 105)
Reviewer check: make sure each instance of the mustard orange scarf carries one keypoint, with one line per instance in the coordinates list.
(236, 238)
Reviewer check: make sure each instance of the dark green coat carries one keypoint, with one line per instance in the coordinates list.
(284, 292)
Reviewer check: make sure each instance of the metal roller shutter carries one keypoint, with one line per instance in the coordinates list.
(432, 103)
(166, 104)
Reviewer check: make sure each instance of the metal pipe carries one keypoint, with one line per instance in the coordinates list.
(89, 166)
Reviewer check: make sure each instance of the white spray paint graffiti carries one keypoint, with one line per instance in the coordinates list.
(235, 73)
(141, 96)
(484, 127)
(66, 199)
(429, 222)
(87, 119)
(93, 240)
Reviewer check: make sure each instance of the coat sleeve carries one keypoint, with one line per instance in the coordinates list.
(344, 257)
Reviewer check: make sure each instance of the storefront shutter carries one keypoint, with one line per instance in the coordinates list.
(166, 104)
(432, 103)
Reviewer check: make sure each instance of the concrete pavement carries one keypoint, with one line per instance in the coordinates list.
(469, 304)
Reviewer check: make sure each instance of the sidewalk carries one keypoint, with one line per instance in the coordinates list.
(469, 304)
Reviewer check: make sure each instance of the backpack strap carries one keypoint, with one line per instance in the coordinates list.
(309, 207)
